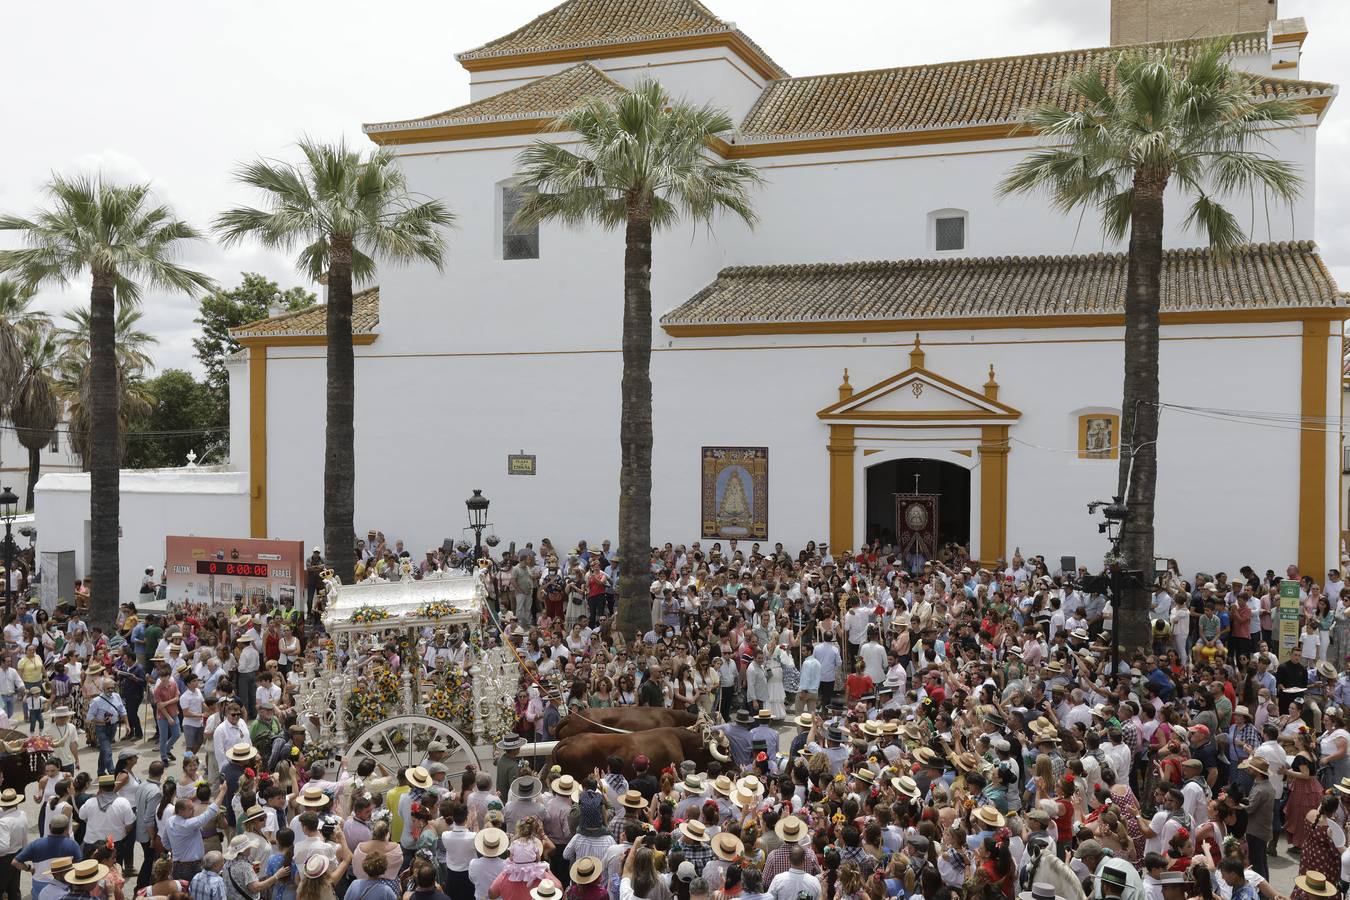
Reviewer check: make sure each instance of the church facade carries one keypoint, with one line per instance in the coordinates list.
(892, 351)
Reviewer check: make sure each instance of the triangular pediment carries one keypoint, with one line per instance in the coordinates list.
(918, 396)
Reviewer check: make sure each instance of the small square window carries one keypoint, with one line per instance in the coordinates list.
(951, 233)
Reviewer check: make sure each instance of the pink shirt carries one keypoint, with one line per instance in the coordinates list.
(507, 889)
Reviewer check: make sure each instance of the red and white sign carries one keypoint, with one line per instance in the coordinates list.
(230, 572)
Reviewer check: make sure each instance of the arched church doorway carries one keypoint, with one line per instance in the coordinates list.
(949, 483)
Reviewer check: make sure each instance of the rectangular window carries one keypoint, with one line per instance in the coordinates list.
(1345, 459)
(55, 446)
(518, 241)
(951, 233)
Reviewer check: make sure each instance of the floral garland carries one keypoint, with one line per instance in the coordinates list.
(437, 609)
(451, 701)
(376, 701)
(370, 614)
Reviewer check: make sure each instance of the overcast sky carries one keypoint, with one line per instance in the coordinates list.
(178, 93)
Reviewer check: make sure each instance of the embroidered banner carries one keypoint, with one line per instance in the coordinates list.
(916, 524)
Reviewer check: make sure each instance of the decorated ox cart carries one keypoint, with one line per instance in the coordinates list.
(373, 698)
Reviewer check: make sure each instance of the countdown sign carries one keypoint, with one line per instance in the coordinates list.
(233, 572)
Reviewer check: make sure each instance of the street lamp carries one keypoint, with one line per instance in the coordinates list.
(478, 508)
(1113, 527)
(9, 510)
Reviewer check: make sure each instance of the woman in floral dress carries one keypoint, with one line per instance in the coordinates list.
(1127, 806)
(1319, 852)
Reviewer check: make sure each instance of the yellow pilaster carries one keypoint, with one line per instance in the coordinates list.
(1312, 450)
(257, 441)
(842, 449)
(993, 493)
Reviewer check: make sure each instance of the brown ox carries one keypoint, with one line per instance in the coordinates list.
(628, 718)
(581, 754)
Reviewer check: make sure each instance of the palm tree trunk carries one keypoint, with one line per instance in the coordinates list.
(34, 471)
(104, 453)
(339, 465)
(1139, 407)
(635, 429)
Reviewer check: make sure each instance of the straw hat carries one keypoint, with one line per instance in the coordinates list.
(585, 870)
(239, 846)
(966, 762)
(490, 842)
(89, 871)
(790, 829)
(871, 728)
(566, 786)
(692, 783)
(726, 846)
(1327, 670)
(743, 799)
(694, 831)
(61, 712)
(417, 776)
(312, 796)
(1310, 882)
(990, 816)
(633, 800)
(241, 752)
(10, 798)
(925, 755)
(1040, 891)
(724, 785)
(752, 784)
(803, 721)
(907, 786)
(1256, 764)
(890, 728)
(546, 890)
(316, 866)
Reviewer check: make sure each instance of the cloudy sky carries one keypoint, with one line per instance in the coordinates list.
(178, 93)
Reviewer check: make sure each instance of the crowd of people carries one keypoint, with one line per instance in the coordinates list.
(945, 730)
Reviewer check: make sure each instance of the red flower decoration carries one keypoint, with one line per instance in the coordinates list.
(250, 773)
(1069, 778)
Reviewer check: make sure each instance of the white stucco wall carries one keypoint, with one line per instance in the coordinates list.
(154, 503)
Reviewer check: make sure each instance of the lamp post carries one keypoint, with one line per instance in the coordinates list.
(478, 507)
(1113, 528)
(9, 509)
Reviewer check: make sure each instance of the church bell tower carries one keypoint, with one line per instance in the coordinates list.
(1143, 21)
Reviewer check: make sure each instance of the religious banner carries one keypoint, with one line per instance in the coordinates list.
(916, 525)
(1289, 609)
(735, 492)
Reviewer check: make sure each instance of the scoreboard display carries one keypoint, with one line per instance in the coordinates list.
(240, 569)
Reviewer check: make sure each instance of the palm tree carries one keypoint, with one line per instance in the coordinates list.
(1177, 115)
(35, 406)
(73, 378)
(342, 211)
(16, 319)
(643, 165)
(121, 239)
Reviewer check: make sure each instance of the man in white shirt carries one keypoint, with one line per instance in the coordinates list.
(13, 838)
(229, 732)
(874, 657)
(795, 882)
(246, 673)
(1195, 798)
(106, 815)
(459, 854)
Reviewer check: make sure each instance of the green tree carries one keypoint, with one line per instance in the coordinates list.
(220, 310)
(35, 406)
(342, 211)
(178, 403)
(75, 380)
(1179, 116)
(643, 165)
(17, 319)
(117, 236)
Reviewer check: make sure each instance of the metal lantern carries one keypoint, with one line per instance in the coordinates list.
(478, 507)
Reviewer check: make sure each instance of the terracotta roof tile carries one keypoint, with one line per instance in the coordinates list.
(1253, 277)
(943, 95)
(595, 23)
(313, 320)
(543, 98)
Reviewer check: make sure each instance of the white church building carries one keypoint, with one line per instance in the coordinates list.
(890, 327)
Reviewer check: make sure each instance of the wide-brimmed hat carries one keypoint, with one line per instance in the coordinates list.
(1256, 764)
(726, 846)
(239, 845)
(1040, 891)
(743, 799)
(724, 785)
(312, 796)
(752, 784)
(62, 712)
(566, 786)
(90, 871)
(633, 800)
(1241, 710)
(907, 786)
(316, 866)
(990, 816)
(1174, 877)
(764, 715)
(585, 870)
(791, 829)
(1315, 883)
(417, 776)
(511, 742)
(241, 752)
(741, 717)
(966, 762)
(490, 842)
(871, 728)
(912, 731)
(1326, 670)
(546, 890)
(694, 831)
(692, 783)
(526, 787)
(10, 797)
(926, 756)
(804, 721)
